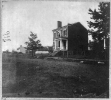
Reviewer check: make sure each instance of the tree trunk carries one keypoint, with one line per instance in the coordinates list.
(32, 53)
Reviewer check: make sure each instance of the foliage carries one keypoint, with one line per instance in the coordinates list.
(99, 26)
(14, 51)
(33, 44)
(99, 29)
(7, 50)
(50, 49)
(95, 46)
(47, 48)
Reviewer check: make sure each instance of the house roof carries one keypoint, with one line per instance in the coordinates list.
(60, 28)
(22, 47)
(68, 25)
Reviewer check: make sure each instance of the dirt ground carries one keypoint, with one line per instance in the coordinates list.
(23, 77)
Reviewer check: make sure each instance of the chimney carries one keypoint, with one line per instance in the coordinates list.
(59, 24)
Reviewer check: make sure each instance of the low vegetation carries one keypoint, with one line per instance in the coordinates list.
(52, 78)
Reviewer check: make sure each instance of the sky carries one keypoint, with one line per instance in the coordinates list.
(40, 17)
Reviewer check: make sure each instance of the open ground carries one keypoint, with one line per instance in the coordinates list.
(24, 77)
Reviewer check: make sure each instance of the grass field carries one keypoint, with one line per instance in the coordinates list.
(23, 77)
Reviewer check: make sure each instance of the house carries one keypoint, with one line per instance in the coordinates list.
(43, 50)
(22, 49)
(71, 37)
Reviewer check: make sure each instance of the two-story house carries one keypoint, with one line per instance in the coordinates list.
(71, 37)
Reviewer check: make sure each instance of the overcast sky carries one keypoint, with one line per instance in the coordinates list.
(21, 17)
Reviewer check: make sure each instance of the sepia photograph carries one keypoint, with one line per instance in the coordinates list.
(55, 49)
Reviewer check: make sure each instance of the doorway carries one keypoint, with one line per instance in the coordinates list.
(64, 44)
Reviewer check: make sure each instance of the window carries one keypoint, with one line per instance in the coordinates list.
(54, 45)
(54, 35)
(59, 44)
(65, 33)
(58, 33)
(61, 32)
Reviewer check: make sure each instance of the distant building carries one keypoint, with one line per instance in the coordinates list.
(43, 50)
(71, 37)
(22, 49)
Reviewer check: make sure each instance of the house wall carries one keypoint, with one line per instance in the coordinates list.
(77, 38)
(22, 49)
(59, 45)
(41, 52)
(59, 35)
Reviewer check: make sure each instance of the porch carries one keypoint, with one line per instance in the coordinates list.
(61, 44)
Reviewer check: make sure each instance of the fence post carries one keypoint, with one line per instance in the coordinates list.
(63, 54)
(67, 54)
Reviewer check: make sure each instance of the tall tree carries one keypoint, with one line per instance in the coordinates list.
(33, 44)
(100, 23)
